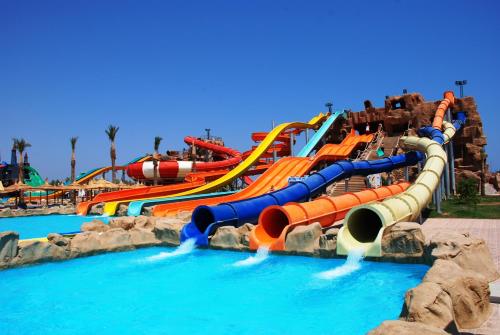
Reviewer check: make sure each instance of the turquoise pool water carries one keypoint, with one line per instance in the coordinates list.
(40, 226)
(200, 293)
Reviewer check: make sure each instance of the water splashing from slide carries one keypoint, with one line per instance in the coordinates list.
(353, 263)
(261, 255)
(185, 248)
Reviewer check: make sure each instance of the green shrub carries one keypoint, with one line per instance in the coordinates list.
(468, 192)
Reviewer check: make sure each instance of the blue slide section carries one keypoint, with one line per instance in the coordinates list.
(135, 207)
(306, 150)
(206, 219)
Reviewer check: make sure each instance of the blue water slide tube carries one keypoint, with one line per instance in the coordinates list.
(135, 207)
(206, 219)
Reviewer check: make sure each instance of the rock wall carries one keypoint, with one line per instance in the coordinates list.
(411, 111)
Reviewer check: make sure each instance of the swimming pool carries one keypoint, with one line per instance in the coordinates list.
(198, 293)
(41, 225)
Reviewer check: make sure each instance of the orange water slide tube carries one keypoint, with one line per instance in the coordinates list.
(275, 222)
(274, 178)
(447, 102)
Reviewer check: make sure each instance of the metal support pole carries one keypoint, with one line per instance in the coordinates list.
(442, 188)
(438, 199)
(446, 175)
(292, 138)
(407, 175)
(274, 149)
(307, 135)
(346, 185)
(451, 162)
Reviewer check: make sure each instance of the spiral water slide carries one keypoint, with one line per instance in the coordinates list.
(364, 225)
(111, 207)
(179, 169)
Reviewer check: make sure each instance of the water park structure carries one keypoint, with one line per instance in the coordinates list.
(360, 186)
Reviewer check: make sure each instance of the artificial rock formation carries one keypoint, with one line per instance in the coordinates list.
(469, 292)
(229, 237)
(398, 327)
(468, 252)
(94, 225)
(303, 239)
(327, 247)
(8, 246)
(412, 111)
(403, 241)
(428, 303)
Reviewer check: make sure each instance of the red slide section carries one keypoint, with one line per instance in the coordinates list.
(179, 169)
(275, 222)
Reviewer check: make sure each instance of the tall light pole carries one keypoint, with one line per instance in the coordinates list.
(329, 105)
(461, 84)
(208, 133)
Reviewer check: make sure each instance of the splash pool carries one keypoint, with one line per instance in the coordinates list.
(41, 225)
(205, 291)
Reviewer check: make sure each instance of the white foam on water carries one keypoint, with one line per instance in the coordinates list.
(185, 248)
(261, 255)
(353, 263)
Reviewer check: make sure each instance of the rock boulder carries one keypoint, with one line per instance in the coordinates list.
(8, 245)
(33, 251)
(168, 230)
(328, 243)
(468, 252)
(124, 222)
(94, 225)
(468, 290)
(430, 304)
(58, 240)
(303, 239)
(398, 327)
(404, 241)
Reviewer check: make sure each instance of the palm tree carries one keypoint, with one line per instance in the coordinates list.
(111, 132)
(20, 144)
(73, 160)
(155, 160)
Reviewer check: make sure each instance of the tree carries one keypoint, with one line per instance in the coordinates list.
(111, 132)
(20, 144)
(467, 190)
(158, 140)
(73, 159)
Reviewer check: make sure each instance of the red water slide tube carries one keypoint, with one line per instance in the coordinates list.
(180, 169)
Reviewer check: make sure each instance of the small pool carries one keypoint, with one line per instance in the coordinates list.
(202, 292)
(41, 225)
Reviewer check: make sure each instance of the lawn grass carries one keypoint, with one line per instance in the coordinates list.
(487, 208)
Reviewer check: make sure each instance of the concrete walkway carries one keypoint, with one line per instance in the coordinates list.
(488, 230)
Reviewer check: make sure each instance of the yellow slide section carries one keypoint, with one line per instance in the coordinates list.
(110, 207)
(364, 225)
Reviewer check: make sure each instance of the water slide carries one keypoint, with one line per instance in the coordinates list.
(33, 178)
(275, 222)
(192, 180)
(111, 207)
(179, 169)
(135, 208)
(206, 219)
(364, 225)
(277, 176)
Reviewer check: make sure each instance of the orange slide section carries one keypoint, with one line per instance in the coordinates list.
(447, 102)
(276, 177)
(275, 222)
(193, 180)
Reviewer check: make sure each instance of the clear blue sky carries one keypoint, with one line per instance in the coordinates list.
(173, 68)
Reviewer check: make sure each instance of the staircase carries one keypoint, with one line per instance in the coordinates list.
(354, 184)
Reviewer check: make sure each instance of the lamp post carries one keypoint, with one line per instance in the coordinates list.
(461, 84)
(208, 133)
(329, 106)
